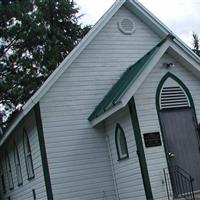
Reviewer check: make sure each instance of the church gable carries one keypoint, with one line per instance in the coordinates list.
(104, 60)
(128, 53)
(68, 103)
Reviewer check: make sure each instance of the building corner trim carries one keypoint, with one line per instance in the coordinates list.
(43, 153)
(140, 149)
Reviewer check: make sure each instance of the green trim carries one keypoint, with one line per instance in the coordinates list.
(175, 78)
(43, 152)
(25, 136)
(118, 145)
(127, 79)
(16, 157)
(172, 76)
(140, 149)
(165, 77)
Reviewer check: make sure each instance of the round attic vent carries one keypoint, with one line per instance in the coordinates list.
(126, 26)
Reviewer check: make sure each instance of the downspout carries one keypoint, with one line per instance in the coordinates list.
(112, 167)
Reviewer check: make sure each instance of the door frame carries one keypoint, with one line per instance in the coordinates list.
(160, 85)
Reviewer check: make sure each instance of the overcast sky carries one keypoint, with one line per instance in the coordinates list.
(181, 16)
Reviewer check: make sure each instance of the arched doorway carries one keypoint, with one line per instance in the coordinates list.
(179, 127)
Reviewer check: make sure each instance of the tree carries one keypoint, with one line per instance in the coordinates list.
(196, 44)
(35, 36)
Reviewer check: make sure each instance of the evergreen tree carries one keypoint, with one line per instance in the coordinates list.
(196, 44)
(35, 36)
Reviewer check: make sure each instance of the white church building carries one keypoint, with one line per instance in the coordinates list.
(117, 120)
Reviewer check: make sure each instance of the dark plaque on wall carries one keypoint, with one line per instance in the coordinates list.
(152, 139)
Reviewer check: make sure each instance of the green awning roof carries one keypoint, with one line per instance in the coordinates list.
(114, 96)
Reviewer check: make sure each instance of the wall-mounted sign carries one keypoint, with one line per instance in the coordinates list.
(152, 139)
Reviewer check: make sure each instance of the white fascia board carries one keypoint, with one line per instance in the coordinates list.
(132, 90)
(14, 124)
(74, 53)
(65, 64)
(149, 17)
(107, 114)
(194, 67)
(185, 57)
(186, 48)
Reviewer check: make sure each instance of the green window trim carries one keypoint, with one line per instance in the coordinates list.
(175, 78)
(157, 98)
(119, 130)
(9, 171)
(18, 165)
(28, 156)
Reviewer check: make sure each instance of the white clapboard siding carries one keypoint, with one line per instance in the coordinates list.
(77, 153)
(145, 99)
(25, 191)
(127, 172)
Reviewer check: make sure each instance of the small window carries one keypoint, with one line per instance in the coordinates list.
(28, 156)
(9, 171)
(17, 165)
(121, 144)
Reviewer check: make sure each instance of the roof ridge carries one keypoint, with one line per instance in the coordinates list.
(148, 16)
(64, 65)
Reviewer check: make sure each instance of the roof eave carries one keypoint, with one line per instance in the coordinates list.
(131, 91)
(157, 25)
(106, 114)
(22, 114)
(192, 66)
(63, 66)
(148, 18)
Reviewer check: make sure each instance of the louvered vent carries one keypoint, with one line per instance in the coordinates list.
(173, 97)
(126, 26)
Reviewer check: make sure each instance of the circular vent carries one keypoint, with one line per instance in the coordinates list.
(126, 26)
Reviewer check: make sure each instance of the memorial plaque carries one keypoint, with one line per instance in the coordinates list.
(152, 139)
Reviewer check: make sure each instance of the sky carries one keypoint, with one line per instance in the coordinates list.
(181, 16)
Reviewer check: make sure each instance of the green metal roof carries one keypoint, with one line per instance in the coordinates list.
(113, 97)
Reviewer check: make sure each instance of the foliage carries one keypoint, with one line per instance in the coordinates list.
(35, 36)
(196, 44)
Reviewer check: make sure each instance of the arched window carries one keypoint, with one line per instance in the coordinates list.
(121, 144)
(17, 165)
(172, 93)
(9, 171)
(28, 156)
